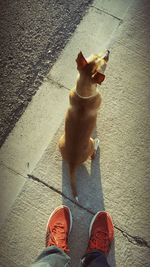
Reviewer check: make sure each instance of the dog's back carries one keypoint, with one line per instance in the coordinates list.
(79, 124)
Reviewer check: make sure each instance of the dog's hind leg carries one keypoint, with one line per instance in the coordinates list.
(61, 144)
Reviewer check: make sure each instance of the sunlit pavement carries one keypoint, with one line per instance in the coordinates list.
(34, 179)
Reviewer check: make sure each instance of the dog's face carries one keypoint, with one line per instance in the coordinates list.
(93, 67)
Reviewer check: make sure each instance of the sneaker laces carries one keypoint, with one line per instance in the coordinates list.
(58, 237)
(100, 240)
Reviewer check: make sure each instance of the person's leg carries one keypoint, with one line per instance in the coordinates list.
(101, 234)
(52, 256)
(94, 259)
(58, 228)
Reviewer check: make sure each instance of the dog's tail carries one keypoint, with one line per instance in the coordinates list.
(72, 168)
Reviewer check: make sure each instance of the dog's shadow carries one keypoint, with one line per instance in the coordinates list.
(90, 196)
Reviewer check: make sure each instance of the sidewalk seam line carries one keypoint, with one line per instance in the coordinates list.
(136, 240)
(12, 170)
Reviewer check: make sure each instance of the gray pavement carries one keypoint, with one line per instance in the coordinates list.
(32, 35)
(118, 179)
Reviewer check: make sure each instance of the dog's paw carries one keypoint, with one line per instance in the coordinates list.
(96, 143)
(77, 199)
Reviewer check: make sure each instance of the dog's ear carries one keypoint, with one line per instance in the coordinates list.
(98, 78)
(81, 61)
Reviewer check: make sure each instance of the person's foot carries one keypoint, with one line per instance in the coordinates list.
(101, 232)
(58, 228)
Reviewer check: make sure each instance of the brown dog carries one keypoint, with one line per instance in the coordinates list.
(76, 145)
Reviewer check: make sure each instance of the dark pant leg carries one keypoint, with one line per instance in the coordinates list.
(94, 259)
(52, 257)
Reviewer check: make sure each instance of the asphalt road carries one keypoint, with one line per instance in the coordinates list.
(32, 35)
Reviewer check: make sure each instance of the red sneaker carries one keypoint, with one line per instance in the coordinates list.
(58, 228)
(101, 232)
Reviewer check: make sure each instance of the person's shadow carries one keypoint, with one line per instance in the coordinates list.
(91, 200)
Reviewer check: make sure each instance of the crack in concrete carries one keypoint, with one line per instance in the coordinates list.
(136, 240)
(58, 84)
(107, 13)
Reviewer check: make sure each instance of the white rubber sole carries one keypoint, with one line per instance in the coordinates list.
(91, 224)
(59, 207)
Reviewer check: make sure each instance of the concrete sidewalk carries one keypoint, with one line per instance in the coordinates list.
(118, 179)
